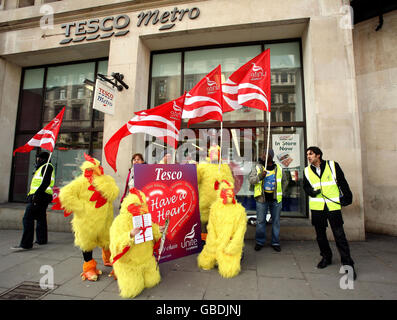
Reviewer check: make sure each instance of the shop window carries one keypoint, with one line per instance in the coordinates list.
(245, 130)
(166, 78)
(39, 103)
(25, 3)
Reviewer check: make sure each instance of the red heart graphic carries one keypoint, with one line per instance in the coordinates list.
(177, 202)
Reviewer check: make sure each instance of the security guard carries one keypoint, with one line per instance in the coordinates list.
(39, 196)
(328, 189)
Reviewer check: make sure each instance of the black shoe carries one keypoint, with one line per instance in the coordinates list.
(324, 263)
(276, 248)
(258, 247)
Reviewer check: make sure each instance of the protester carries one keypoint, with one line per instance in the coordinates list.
(268, 185)
(322, 182)
(89, 197)
(129, 183)
(39, 196)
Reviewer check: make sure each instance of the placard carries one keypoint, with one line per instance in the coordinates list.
(286, 150)
(143, 221)
(104, 97)
(171, 191)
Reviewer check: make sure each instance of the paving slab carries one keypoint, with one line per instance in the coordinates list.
(231, 288)
(282, 288)
(280, 265)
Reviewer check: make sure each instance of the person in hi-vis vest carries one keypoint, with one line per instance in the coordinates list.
(268, 194)
(327, 188)
(39, 196)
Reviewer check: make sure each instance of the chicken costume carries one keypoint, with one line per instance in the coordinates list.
(207, 174)
(226, 229)
(90, 198)
(134, 264)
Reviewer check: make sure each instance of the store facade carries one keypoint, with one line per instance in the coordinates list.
(163, 48)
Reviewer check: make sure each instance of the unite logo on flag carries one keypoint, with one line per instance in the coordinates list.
(176, 113)
(212, 86)
(257, 73)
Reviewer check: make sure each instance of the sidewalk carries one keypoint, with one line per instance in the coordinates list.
(266, 274)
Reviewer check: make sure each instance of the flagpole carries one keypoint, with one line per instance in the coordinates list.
(268, 140)
(220, 148)
(46, 166)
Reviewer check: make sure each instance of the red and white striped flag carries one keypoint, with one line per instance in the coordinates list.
(163, 122)
(204, 101)
(46, 137)
(249, 86)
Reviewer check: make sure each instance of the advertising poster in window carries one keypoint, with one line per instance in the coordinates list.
(286, 150)
(104, 97)
(171, 192)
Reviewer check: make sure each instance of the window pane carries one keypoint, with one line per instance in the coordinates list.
(166, 78)
(286, 85)
(288, 146)
(25, 3)
(69, 155)
(31, 100)
(198, 63)
(23, 169)
(65, 87)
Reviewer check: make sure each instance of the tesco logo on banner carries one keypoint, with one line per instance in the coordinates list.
(104, 97)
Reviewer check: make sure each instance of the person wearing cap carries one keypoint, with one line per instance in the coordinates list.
(268, 192)
(39, 196)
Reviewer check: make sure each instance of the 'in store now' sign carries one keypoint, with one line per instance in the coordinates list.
(107, 27)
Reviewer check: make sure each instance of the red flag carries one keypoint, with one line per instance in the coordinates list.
(249, 86)
(163, 121)
(46, 137)
(204, 101)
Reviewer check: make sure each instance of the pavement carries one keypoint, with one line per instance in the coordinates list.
(266, 274)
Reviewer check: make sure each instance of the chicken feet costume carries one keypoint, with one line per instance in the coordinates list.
(226, 229)
(134, 264)
(207, 174)
(90, 198)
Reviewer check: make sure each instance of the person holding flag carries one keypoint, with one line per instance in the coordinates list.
(40, 192)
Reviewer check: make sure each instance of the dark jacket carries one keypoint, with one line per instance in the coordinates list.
(40, 196)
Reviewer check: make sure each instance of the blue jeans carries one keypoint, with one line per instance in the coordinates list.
(261, 210)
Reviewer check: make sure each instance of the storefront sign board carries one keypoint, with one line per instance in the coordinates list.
(104, 97)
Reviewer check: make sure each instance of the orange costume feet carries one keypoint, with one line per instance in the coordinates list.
(106, 258)
(90, 272)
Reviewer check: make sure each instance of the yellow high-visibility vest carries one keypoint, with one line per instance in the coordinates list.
(38, 179)
(258, 187)
(327, 185)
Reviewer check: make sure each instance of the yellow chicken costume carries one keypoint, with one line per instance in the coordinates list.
(207, 174)
(90, 198)
(134, 264)
(226, 229)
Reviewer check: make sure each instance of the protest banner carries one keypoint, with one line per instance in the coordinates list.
(171, 192)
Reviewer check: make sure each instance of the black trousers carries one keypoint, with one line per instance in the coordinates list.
(34, 212)
(320, 221)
